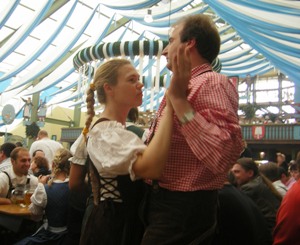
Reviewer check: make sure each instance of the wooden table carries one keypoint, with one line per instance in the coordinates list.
(14, 209)
(12, 215)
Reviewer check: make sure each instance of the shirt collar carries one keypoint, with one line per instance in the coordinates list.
(14, 176)
(12, 173)
(200, 69)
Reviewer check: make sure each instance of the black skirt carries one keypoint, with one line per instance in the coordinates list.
(116, 223)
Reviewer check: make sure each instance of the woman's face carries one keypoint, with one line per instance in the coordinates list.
(295, 174)
(128, 90)
(33, 166)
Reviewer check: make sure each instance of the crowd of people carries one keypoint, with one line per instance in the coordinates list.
(185, 182)
(25, 171)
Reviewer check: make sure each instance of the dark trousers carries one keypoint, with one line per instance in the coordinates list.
(174, 217)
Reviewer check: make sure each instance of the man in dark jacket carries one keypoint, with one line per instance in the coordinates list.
(258, 188)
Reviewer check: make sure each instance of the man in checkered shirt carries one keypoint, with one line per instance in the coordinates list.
(181, 205)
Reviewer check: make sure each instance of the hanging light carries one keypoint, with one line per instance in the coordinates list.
(148, 17)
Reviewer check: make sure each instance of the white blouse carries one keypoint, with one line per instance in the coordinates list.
(111, 147)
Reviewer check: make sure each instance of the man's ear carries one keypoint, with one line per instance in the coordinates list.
(251, 173)
(191, 43)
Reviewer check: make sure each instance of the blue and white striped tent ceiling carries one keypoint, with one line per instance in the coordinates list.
(40, 38)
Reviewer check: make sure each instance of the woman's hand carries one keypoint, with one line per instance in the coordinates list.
(169, 105)
(181, 73)
(43, 179)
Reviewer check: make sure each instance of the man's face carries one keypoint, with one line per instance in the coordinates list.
(174, 41)
(22, 163)
(241, 175)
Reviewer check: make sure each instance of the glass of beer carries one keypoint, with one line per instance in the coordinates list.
(28, 193)
(17, 194)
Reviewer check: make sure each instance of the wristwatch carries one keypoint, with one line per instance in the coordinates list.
(187, 117)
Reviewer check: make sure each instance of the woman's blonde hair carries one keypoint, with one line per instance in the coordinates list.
(106, 73)
(61, 162)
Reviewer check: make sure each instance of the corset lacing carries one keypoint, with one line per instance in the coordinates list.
(109, 190)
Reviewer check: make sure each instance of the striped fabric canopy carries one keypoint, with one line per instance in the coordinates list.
(45, 43)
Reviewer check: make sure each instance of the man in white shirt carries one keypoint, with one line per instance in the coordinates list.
(16, 175)
(48, 146)
(5, 150)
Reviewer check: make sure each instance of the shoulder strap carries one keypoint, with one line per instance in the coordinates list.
(100, 120)
(10, 185)
(28, 180)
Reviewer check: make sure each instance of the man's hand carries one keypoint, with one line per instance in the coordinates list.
(4, 201)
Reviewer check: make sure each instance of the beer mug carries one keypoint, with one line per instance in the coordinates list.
(17, 194)
(28, 193)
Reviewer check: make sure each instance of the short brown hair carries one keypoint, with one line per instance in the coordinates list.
(248, 164)
(15, 153)
(7, 148)
(201, 28)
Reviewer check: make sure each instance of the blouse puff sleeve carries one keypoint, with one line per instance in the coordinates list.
(78, 151)
(38, 200)
(113, 149)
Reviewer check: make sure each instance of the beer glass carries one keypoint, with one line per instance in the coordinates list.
(17, 194)
(28, 193)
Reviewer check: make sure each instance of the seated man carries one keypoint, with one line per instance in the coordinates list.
(52, 200)
(258, 188)
(16, 175)
(239, 219)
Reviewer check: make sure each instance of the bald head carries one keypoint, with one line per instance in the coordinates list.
(42, 134)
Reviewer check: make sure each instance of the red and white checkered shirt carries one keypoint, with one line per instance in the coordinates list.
(203, 150)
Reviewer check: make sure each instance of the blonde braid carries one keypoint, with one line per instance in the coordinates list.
(90, 101)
